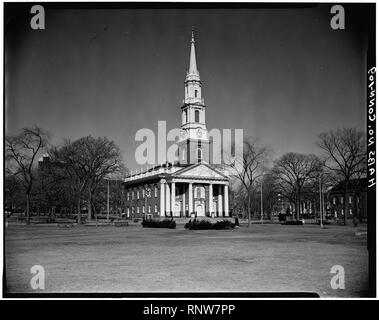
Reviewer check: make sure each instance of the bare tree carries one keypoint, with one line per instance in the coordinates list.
(249, 167)
(270, 191)
(293, 172)
(52, 186)
(104, 161)
(20, 153)
(90, 160)
(71, 156)
(345, 155)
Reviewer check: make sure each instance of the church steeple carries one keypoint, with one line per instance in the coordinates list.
(193, 109)
(194, 140)
(192, 65)
(192, 82)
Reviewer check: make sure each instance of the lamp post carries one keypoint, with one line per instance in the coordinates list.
(261, 202)
(108, 200)
(320, 187)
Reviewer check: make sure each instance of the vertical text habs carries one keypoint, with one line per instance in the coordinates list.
(371, 121)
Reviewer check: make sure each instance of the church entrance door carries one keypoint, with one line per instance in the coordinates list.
(176, 212)
(200, 210)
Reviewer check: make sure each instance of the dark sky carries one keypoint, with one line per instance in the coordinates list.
(283, 75)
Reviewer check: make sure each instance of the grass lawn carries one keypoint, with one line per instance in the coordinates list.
(132, 259)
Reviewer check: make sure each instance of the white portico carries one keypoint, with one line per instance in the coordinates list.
(199, 189)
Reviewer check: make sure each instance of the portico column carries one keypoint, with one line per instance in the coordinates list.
(184, 200)
(172, 197)
(226, 200)
(190, 198)
(162, 198)
(210, 198)
(167, 198)
(219, 202)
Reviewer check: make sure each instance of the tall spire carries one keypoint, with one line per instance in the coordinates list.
(192, 66)
(193, 73)
(193, 108)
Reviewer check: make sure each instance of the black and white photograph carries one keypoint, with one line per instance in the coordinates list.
(189, 150)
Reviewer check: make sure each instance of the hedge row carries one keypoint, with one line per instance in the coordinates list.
(207, 225)
(151, 223)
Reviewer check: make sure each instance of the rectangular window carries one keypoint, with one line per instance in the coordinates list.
(155, 191)
(133, 210)
(334, 200)
(350, 211)
(143, 209)
(137, 209)
(143, 193)
(155, 208)
(350, 199)
(341, 211)
(132, 195)
(149, 209)
(137, 194)
(127, 196)
(341, 200)
(127, 211)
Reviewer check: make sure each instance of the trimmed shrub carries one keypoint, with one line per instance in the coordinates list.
(207, 225)
(171, 224)
(293, 223)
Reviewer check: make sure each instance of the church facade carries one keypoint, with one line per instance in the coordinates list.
(191, 186)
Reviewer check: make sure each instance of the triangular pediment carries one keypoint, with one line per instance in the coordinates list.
(201, 170)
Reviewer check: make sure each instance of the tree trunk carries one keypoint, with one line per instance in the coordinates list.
(357, 212)
(345, 204)
(89, 217)
(27, 208)
(52, 217)
(297, 209)
(95, 214)
(248, 209)
(79, 216)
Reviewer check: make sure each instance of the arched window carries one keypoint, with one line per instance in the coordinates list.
(199, 192)
(184, 116)
(199, 154)
(197, 116)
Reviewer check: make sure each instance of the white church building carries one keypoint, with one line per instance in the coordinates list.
(191, 185)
